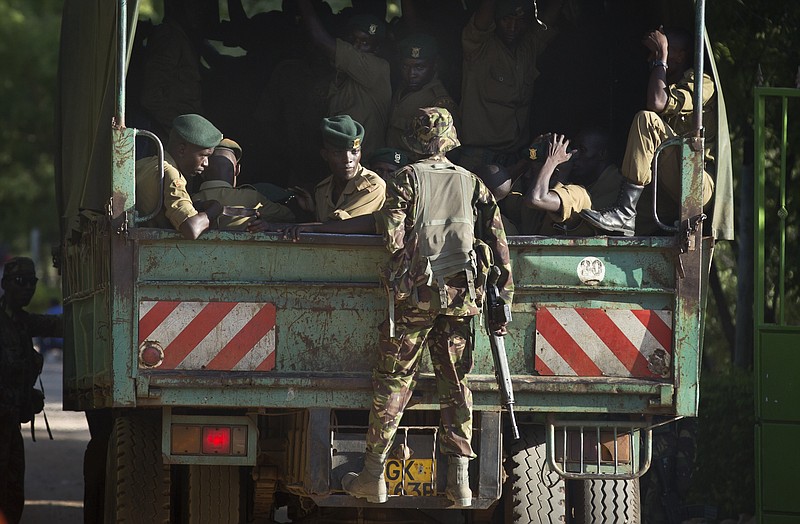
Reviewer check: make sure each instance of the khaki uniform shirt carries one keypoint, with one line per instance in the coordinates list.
(405, 106)
(362, 89)
(228, 195)
(680, 104)
(497, 88)
(177, 205)
(364, 194)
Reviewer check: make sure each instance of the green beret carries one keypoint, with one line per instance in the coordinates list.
(432, 132)
(197, 130)
(513, 7)
(19, 266)
(369, 24)
(419, 46)
(235, 148)
(390, 155)
(342, 132)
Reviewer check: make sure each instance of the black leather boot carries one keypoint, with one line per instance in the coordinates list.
(622, 217)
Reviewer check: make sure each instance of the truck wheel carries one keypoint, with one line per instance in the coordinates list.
(533, 494)
(601, 501)
(213, 495)
(137, 481)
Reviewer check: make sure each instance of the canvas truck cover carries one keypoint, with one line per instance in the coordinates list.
(91, 99)
(87, 104)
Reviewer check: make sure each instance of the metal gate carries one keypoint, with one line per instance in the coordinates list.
(777, 305)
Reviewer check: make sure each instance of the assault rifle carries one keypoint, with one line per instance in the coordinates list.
(499, 313)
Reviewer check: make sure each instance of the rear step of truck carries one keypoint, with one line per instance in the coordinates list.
(592, 449)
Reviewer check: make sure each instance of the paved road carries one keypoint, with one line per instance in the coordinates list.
(54, 468)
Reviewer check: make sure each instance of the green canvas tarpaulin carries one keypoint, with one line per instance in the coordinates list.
(90, 91)
(86, 104)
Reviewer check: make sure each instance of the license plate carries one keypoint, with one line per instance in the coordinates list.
(412, 477)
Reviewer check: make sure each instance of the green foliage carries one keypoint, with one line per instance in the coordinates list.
(725, 474)
(717, 352)
(29, 33)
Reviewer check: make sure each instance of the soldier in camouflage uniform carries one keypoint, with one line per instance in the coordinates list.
(433, 297)
(20, 365)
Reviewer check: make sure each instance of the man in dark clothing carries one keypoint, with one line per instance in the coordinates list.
(20, 365)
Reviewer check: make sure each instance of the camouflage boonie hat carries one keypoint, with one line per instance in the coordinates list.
(432, 132)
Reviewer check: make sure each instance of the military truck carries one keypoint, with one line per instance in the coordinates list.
(235, 369)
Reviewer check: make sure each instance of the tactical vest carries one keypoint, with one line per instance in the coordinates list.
(444, 226)
(445, 220)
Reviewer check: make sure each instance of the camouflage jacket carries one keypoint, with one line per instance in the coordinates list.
(395, 221)
(20, 364)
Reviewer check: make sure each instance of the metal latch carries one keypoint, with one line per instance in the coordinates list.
(687, 243)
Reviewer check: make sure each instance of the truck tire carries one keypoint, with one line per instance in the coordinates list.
(533, 494)
(601, 501)
(137, 481)
(213, 495)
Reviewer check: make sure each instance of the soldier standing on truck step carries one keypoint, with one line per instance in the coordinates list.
(191, 141)
(20, 365)
(434, 215)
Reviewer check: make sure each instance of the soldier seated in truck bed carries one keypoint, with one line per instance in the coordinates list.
(240, 203)
(191, 141)
(593, 181)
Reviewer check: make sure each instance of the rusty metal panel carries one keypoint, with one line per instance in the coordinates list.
(329, 304)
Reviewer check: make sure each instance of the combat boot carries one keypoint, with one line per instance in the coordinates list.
(458, 482)
(622, 217)
(369, 483)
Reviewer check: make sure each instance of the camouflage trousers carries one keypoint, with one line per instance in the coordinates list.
(449, 340)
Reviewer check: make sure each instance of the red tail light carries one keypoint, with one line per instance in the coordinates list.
(216, 441)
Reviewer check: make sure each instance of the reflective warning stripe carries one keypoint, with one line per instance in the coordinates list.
(225, 336)
(603, 342)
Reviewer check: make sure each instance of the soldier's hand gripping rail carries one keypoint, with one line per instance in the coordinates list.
(498, 313)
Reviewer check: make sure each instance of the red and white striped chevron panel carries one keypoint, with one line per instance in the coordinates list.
(227, 336)
(590, 342)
